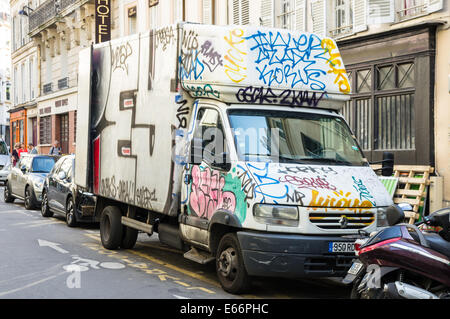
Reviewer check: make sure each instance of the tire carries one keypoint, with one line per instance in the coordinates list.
(7, 194)
(111, 230)
(230, 266)
(30, 198)
(45, 209)
(71, 218)
(129, 239)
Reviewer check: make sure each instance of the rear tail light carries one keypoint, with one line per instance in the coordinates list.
(377, 245)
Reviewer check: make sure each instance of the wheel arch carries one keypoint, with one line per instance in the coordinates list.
(221, 223)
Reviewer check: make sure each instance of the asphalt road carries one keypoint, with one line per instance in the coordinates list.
(42, 258)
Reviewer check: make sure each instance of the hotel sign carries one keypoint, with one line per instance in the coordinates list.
(102, 20)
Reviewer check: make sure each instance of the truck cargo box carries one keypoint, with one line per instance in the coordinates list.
(143, 88)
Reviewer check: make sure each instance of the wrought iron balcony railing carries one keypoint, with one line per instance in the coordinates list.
(48, 11)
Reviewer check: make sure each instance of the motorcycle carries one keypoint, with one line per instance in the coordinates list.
(402, 261)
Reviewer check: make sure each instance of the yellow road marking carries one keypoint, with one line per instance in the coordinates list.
(170, 266)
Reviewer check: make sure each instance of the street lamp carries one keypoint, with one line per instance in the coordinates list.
(25, 13)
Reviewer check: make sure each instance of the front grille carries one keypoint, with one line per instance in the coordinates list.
(329, 265)
(327, 220)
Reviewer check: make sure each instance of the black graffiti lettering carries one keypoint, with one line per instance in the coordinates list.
(144, 197)
(296, 197)
(291, 98)
(182, 111)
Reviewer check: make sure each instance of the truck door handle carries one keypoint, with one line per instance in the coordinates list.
(187, 179)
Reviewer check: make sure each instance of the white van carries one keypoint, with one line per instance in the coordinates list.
(288, 190)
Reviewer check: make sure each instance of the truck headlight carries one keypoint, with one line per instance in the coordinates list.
(276, 214)
(382, 217)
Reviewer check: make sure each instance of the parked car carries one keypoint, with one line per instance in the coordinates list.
(4, 172)
(26, 179)
(62, 196)
(5, 157)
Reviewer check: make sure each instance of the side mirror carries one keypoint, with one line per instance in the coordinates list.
(62, 175)
(387, 164)
(23, 169)
(394, 215)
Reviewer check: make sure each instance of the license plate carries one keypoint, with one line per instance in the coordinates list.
(355, 268)
(341, 247)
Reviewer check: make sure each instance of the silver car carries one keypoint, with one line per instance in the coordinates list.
(4, 172)
(26, 179)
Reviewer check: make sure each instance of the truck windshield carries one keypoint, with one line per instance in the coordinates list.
(281, 136)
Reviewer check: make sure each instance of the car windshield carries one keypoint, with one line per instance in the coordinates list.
(3, 148)
(42, 164)
(299, 137)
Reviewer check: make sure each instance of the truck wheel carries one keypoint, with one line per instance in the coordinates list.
(129, 237)
(111, 227)
(7, 194)
(71, 218)
(30, 198)
(45, 210)
(230, 266)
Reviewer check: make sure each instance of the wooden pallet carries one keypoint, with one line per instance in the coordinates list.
(412, 186)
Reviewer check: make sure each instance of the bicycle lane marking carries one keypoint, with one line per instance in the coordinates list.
(150, 270)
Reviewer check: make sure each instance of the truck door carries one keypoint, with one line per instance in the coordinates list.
(205, 177)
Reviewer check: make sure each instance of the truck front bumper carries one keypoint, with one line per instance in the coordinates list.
(292, 256)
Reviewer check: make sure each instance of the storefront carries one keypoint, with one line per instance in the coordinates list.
(392, 106)
(18, 125)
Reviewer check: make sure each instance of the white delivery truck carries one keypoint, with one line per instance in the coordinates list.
(286, 190)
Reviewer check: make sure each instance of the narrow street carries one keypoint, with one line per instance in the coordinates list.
(44, 259)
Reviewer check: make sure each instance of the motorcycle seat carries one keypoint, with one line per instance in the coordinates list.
(437, 243)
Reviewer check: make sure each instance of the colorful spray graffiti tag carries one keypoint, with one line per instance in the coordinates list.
(211, 191)
(234, 67)
(335, 61)
(364, 193)
(283, 59)
(340, 200)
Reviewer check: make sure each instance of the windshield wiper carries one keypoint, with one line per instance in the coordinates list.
(327, 160)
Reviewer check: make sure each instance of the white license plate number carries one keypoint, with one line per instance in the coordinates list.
(355, 268)
(341, 247)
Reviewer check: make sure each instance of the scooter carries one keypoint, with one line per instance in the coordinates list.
(402, 261)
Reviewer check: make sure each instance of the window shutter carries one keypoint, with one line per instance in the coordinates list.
(245, 12)
(434, 5)
(318, 12)
(267, 13)
(207, 11)
(241, 12)
(300, 15)
(236, 11)
(381, 11)
(359, 15)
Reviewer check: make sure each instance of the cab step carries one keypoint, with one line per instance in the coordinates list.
(198, 256)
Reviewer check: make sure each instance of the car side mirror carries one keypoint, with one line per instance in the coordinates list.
(387, 167)
(23, 169)
(394, 215)
(62, 175)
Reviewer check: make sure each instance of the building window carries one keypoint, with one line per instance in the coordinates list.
(16, 86)
(410, 8)
(381, 111)
(45, 130)
(132, 20)
(343, 17)
(286, 19)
